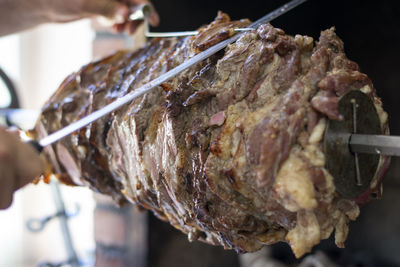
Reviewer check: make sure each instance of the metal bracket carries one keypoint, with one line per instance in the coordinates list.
(352, 172)
(59, 264)
(38, 224)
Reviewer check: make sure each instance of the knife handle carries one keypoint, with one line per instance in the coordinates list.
(141, 12)
(35, 144)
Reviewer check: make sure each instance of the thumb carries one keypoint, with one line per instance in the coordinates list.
(29, 164)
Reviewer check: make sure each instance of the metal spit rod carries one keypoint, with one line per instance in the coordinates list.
(375, 144)
(143, 12)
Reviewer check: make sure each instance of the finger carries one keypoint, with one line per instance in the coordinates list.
(6, 186)
(105, 8)
(121, 14)
(119, 27)
(22, 158)
(137, 2)
(7, 177)
(154, 19)
(132, 26)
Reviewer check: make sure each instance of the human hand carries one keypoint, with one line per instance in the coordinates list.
(20, 164)
(117, 10)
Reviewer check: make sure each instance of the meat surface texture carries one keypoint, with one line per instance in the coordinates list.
(230, 151)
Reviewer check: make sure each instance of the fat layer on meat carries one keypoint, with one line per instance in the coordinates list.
(229, 151)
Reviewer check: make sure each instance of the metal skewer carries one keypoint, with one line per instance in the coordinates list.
(149, 34)
(356, 158)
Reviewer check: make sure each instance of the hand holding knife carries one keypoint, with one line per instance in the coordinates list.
(130, 14)
(19, 165)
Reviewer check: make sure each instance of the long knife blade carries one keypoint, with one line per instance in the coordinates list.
(375, 144)
(54, 137)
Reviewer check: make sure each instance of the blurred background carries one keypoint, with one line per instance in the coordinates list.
(38, 60)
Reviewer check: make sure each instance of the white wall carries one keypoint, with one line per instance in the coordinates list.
(48, 54)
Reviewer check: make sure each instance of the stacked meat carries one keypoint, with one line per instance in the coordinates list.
(229, 151)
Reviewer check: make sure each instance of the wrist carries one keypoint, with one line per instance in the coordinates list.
(58, 11)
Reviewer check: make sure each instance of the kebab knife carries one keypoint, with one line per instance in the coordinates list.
(56, 136)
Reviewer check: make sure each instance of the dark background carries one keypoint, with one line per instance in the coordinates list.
(371, 33)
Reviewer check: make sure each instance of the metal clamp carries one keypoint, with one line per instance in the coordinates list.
(352, 172)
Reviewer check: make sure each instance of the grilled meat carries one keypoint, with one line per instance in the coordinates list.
(229, 151)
